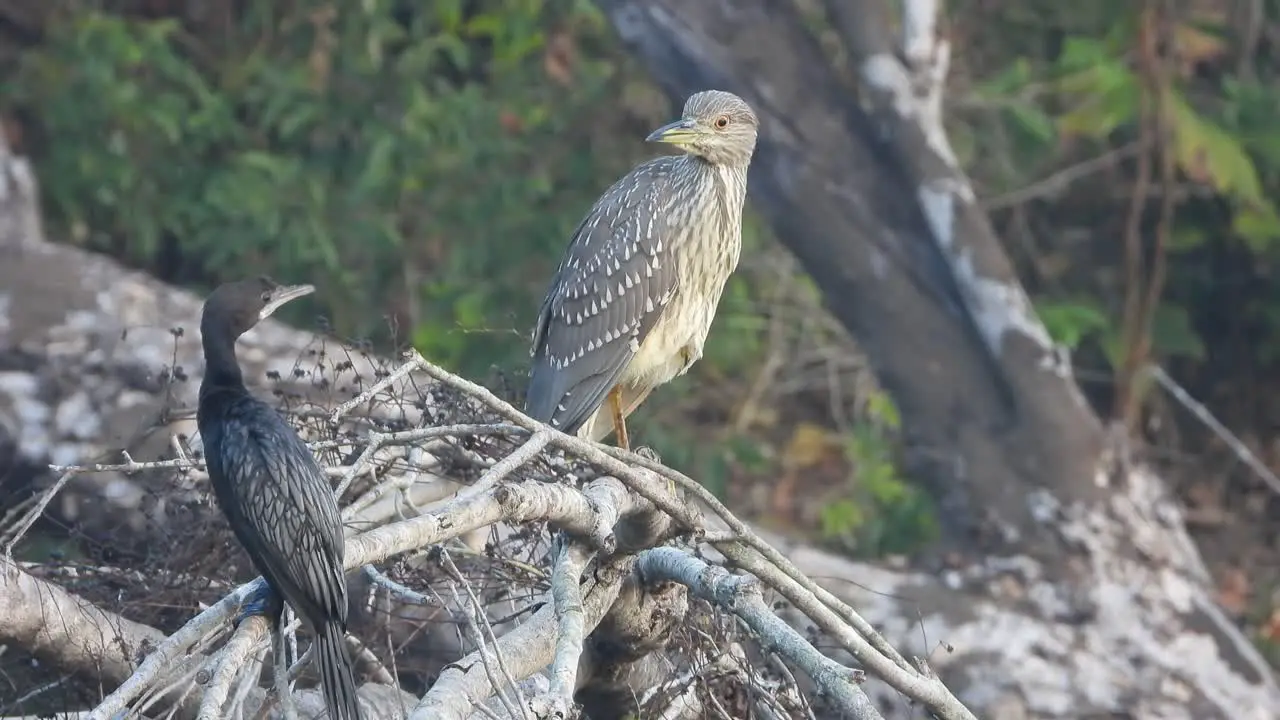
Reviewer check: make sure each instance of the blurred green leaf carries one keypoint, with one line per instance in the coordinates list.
(1212, 156)
(1183, 238)
(882, 408)
(1106, 98)
(1258, 226)
(1016, 76)
(841, 517)
(1173, 335)
(1069, 322)
(1034, 122)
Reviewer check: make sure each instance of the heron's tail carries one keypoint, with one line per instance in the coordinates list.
(336, 679)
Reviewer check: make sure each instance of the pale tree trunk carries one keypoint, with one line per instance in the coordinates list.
(1080, 592)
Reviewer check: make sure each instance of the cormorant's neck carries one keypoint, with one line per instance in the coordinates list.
(221, 369)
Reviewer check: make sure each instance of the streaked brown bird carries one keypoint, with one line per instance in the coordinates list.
(633, 299)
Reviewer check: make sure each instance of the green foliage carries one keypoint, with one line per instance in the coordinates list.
(1070, 322)
(1087, 92)
(1208, 153)
(422, 164)
(1269, 647)
(409, 162)
(1172, 334)
(1104, 89)
(883, 512)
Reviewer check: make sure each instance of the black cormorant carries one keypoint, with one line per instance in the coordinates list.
(276, 498)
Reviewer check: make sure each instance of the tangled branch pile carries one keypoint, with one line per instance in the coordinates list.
(653, 600)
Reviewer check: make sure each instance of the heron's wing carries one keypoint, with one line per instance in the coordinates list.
(612, 286)
(288, 512)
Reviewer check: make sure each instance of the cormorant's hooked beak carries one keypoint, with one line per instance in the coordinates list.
(281, 295)
(678, 133)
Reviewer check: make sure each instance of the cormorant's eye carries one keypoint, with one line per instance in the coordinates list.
(266, 297)
(722, 122)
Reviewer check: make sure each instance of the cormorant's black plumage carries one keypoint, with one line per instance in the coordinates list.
(276, 498)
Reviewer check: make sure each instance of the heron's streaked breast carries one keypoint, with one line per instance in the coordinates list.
(706, 227)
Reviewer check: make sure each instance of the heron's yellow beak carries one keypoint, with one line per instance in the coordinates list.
(680, 132)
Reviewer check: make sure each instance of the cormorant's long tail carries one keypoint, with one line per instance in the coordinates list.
(336, 679)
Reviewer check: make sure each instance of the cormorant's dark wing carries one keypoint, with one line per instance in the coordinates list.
(616, 278)
(290, 515)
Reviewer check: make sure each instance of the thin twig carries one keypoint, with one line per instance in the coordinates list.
(34, 513)
(400, 591)
(283, 690)
(477, 613)
(368, 394)
(1058, 181)
(1202, 413)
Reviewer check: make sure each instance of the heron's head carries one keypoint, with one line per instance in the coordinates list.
(235, 307)
(717, 126)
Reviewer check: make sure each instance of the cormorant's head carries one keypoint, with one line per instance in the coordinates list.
(717, 126)
(238, 306)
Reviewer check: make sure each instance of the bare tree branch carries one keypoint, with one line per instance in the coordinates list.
(528, 648)
(742, 596)
(68, 631)
(566, 592)
(229, 662)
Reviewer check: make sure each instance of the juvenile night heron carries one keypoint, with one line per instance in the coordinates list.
(635, 294)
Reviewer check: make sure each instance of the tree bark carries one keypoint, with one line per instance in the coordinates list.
(1060, 528)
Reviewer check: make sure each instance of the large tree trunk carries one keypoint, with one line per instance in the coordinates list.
(1068, 541)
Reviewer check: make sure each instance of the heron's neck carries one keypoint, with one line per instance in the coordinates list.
(727, 180)
(721, 191)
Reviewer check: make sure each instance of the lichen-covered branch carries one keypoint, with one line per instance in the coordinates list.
(623, 658)
(229, 662)
(741, 595)
(68, 631)
(566, 594)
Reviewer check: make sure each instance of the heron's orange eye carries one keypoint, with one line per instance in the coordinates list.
(722, 122)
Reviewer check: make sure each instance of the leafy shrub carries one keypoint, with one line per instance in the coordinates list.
(418, 162)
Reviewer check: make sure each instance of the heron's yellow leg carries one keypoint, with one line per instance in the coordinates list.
(619, 420)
